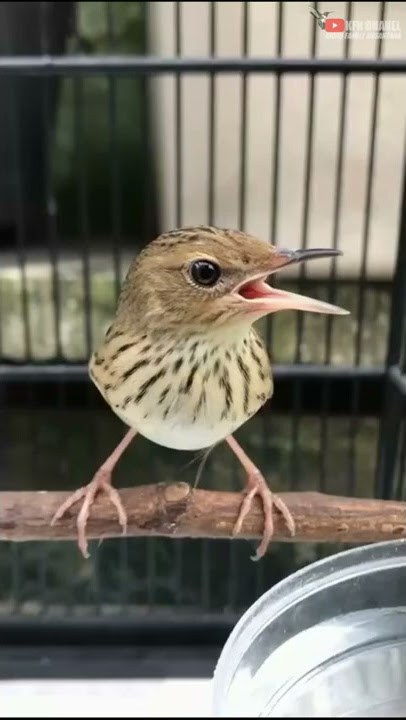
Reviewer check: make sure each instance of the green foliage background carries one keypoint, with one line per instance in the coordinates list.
(100, 127)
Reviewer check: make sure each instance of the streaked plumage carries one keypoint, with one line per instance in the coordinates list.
(186, 393)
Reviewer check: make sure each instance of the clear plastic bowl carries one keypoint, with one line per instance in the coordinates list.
(329, 641)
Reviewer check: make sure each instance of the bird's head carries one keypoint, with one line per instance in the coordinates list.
(199, 278)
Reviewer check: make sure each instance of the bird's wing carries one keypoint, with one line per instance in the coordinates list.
(314, 12)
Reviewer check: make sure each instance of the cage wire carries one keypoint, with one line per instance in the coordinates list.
(89, 170)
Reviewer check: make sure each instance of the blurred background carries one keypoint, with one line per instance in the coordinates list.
(97, 158)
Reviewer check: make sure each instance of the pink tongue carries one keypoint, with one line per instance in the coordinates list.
(255, 289)
(249, 293)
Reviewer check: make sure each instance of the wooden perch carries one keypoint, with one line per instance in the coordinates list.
(179, 511)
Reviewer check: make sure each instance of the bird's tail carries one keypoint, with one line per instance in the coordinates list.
(202, 455)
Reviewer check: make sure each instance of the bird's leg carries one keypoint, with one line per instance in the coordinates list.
(101, 482)
(257, 485)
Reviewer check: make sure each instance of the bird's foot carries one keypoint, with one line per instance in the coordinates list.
(257, 485)
(100, 483)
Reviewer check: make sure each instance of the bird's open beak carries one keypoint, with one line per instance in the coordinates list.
(263, 299)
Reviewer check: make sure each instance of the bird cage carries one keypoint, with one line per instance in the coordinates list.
(122, 120)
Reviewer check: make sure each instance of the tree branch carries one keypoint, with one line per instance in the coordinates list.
(178, 511)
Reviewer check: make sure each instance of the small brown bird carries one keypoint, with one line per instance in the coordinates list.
(182, 364)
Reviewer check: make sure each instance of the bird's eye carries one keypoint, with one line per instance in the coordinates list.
(205, 272)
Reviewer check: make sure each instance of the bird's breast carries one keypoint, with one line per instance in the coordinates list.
(185, 395)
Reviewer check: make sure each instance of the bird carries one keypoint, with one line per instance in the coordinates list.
(182, 363)
(320, 17)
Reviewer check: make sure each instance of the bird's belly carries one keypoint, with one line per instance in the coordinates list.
(179, 436)
(179, 431)
(192, 400)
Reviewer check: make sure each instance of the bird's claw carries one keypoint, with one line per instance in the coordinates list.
(100, 483)
(256, 485)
